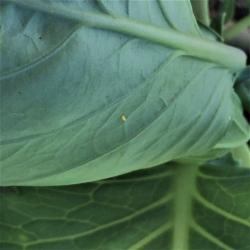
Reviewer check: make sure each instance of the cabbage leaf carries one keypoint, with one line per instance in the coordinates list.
(96, 89)
(168, 207)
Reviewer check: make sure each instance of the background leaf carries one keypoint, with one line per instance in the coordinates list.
(243, 88)
(168, 207)
(225, 14)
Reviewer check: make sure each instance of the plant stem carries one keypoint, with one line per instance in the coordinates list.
(237, 28)
(242, 155)
(184, 188)
(201, 11)
(216, 52)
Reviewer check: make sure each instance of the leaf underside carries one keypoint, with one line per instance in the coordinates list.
(80, 104)
(132, 212)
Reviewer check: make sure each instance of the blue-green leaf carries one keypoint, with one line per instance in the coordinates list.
(95, 89)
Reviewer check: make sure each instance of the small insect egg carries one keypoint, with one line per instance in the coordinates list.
(123, 118)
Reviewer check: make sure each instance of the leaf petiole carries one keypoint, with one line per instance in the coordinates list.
(216, 52)
(237, 28)
(242, 155)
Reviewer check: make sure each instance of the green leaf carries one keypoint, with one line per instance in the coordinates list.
(95, 89)
(224, 15)
(168, 207)
(242, 87)
(228, 7)
(201, 11)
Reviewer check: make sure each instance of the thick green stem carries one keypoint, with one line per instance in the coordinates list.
(183, 205)
(242, 155)
(204, 49)
(237, 28)
(201, 11)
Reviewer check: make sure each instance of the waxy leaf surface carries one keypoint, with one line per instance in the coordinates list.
(96, 89)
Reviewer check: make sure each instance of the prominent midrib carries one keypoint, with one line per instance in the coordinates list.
(208, 50)
(183, 189)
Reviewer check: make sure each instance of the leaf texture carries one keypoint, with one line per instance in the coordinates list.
(83, 101)
(168, 207)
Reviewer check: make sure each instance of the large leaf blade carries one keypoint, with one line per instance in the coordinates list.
(136, 211)
(71, 117)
